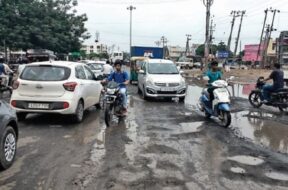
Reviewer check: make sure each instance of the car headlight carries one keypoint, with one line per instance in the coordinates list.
(182, 82)
(149, 82)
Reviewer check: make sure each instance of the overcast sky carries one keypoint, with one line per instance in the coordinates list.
(176, 18)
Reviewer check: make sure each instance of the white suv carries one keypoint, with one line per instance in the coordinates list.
(56, 87)
(161, 78)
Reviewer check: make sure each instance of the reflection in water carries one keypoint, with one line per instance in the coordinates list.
(241, 90)
(277, 176)
(262, 128)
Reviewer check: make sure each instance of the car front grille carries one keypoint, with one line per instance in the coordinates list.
(160, 84)
(173, 84)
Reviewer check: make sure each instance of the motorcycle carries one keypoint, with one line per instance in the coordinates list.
(220, 106)
(279, 99)
(112, 103)
(6, 86)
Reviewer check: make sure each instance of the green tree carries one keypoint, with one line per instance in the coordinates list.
(45, 24)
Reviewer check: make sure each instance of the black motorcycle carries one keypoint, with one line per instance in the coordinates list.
(279, 99)
(113, 103)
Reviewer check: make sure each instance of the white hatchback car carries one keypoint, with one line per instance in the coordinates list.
(56, 87)
(161, 78)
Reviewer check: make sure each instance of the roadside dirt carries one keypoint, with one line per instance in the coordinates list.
(241, 75)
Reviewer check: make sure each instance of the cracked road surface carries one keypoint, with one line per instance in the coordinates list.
(160, 145)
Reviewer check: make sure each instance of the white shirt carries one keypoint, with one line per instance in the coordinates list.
(7, 69)
(107, 69)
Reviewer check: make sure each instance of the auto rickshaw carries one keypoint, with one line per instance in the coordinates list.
(136, 63)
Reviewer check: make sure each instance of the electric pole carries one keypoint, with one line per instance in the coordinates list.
(158, 43)
(207, 4)
(261, 38)
(270, 30)
(211, 30)
(164, 43)
(234, 14)
(131, 8)
(239, 31)
(187, 44)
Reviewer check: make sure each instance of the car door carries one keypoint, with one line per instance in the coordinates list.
(94, 87)
(142, 76)
(83, 85)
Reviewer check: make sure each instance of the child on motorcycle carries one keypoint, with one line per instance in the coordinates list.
(213, 74)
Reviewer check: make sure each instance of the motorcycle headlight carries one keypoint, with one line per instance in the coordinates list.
(111, 91)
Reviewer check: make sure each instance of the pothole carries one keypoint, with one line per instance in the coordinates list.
(277, 176)
(247, 160)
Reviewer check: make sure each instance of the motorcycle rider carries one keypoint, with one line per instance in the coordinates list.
(4, 72)
(107, 69)
(120, 77)
(277, 76)
(213, 74)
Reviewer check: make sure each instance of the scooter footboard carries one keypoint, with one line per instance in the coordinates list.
(224, 107)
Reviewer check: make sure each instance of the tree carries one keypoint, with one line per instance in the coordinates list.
(45, 24)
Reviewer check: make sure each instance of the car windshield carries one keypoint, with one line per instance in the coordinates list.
(162, 68)
(95, 66)
(45, 73)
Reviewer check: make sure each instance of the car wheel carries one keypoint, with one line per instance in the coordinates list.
(79, 114)
(144, 96)
(8, 146)
(21, 116)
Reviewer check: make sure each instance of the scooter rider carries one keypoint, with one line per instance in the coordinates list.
(277, 76)
(120, 77)
(3, 72)
(213, 74)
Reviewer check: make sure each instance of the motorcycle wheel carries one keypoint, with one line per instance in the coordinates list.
(225, 119)
(108, 115)
(284, 109)
(254, 99)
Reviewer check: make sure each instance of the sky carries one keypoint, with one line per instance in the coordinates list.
(176, 18)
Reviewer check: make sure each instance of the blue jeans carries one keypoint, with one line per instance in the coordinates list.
(267, 89)
(123, 92)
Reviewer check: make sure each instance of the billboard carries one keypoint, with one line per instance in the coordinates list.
(222, 54)
(152, 52)
(251, 52)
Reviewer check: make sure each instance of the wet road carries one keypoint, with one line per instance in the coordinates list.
(161, 145)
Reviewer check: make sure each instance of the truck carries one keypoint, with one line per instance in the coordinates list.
(138, 55)
(151, 52)
(119, 55)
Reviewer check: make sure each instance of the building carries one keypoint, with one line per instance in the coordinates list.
(95, 48)
(176, 51)
(282, 48)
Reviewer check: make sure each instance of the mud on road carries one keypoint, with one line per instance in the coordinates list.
(162, 144)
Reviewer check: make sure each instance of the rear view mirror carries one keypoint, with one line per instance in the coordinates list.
(141, 72)
(206, 78)
(99, 77)
(181, 72)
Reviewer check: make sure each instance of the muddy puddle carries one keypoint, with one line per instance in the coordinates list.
(268, 129)
(262, 128)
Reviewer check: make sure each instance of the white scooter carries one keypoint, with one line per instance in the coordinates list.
(220, 107)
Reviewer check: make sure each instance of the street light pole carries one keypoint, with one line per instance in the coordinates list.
(131, 8)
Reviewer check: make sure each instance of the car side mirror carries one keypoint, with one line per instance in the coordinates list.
(141, 72)
(99, 77)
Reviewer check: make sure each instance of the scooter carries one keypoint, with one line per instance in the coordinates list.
(279, 99)
(220, 106)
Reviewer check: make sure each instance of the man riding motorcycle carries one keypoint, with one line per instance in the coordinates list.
(277, 76)
(120, 77)
(4, 72)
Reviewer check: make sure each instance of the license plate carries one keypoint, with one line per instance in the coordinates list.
(167, 89)
(38, 106)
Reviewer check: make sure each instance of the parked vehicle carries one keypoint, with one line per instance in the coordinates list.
(220, 106)
(185, 63)
(8, 135)
(161, 78)
(279, 99)
(112, 102)
(96, 67)
(56, 87)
